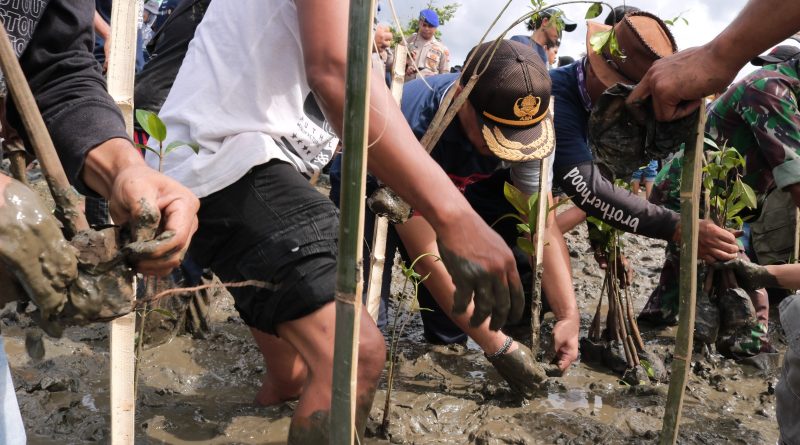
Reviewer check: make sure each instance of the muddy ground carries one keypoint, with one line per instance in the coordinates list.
(201, 391)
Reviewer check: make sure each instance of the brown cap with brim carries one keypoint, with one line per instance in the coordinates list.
(642, 39)
(512, 98)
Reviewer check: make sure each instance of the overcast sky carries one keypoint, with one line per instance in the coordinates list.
(706, 20)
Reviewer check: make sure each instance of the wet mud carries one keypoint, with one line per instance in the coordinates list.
(202, 390)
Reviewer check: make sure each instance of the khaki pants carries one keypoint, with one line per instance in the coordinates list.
(774, 231)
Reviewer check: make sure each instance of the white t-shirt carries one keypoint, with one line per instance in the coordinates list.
(241, 94)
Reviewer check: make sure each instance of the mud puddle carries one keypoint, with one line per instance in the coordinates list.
(201, 391)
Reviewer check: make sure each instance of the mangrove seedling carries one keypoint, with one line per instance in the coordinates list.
(155, 129)
(621, 329)
(407, 306)
(527, 215)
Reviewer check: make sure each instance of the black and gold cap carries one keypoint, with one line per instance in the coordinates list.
(512, 97)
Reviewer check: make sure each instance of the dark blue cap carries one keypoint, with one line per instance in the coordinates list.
(430, 16)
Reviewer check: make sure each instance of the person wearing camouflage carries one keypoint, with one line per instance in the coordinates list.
(759, 117)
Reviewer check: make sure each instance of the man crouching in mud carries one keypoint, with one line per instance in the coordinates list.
(501, 134)
(53, 40)
(261, 90)
(643, 38)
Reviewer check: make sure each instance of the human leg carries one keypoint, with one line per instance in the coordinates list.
(313, 337)
(272, 226)
(286, 370)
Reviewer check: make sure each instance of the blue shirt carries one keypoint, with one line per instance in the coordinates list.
(539, 48)
(571, 119)
(454, 152)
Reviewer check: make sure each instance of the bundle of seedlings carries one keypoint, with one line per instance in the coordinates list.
(726, 314)
(619, 344)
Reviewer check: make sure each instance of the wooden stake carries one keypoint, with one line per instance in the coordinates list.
(121, 69)
(378, 253)
(536, 261)
(690, 209)
(67, 203)
(349, 277)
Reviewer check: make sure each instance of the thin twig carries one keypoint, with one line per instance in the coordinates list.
(183, 290)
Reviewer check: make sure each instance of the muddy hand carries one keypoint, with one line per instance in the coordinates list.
(154, 203)
(33, 248)
(749, 276)
(500, 298)
(520, 370)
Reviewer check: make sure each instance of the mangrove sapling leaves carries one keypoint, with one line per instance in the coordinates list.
(152, 124)
(748, 194)
(599, 40)
(176, 144)
(711, 143)
(516, 198)
(163, 312)
(526, 245)
(509, 215)
(150, 149)
(648, 368)
(594, 11)
(523, 228)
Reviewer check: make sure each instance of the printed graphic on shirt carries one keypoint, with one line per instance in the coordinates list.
(313, 139)
(20, 18)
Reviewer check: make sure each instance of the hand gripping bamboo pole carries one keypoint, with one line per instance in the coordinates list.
(690, 211)
(121, 69)
(349, 276)
(378, 253)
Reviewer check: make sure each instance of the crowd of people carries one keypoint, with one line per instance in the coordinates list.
(258, 85)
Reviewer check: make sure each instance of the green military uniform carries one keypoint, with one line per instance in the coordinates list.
(759, 117)
(431, 56)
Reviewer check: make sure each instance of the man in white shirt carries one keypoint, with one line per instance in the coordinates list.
(261, 90)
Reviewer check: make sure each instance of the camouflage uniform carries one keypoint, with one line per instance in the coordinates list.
(432, 56)
(759, 117)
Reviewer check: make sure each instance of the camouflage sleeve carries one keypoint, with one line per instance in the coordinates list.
(770, 107)
(666, 188)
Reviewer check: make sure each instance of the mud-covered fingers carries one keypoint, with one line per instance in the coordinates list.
(484, 302)
(502, 304)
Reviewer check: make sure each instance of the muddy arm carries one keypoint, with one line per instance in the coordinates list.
(33, 249)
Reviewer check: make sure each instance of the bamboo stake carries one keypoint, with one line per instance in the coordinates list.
(690, 209)
(66, 199)
(349, 277)
(536, 262)
(378, 254)
(121, 68)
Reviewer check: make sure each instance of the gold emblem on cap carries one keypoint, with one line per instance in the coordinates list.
(527, 107)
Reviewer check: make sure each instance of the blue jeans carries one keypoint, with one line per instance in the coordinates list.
(12, 431)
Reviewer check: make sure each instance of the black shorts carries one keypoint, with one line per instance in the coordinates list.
(273, 226)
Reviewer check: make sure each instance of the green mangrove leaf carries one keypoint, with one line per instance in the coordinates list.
(151, 124)
(523, 228)
(516, 198)
(153, 150)
(526, 245)
(594, 11)
(749, 195)
(599, 40)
